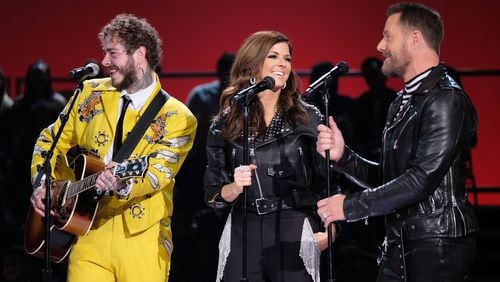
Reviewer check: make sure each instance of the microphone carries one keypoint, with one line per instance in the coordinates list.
(248, 93)
(90, 70)
(339, 69)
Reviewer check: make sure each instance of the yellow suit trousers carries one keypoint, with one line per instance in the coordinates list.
(109, 253)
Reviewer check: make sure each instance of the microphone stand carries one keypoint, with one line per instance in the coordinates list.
(246, 161)
(47, 171)
(326, 98)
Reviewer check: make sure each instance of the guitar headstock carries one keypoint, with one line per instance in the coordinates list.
(131, 168)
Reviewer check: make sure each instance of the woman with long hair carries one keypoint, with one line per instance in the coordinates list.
(282, 179)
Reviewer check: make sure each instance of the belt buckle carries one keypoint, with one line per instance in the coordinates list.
(263, 206)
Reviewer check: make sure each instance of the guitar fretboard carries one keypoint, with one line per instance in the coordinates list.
(129, 168)
(83, 185)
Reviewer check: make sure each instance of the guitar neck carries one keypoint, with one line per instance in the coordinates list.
(128, 168)
(83, 185)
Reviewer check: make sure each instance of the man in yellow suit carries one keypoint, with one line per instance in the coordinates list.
(130, 239)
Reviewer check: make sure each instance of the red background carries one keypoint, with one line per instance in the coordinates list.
(195, 33)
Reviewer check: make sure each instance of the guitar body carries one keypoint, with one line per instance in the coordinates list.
(73, 216)
(76, 214)
(74, 204)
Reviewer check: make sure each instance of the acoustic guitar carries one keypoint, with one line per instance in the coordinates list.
(74, 204)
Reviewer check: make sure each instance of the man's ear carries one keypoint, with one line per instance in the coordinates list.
(416, 38)
(141, 51)
(140, 54)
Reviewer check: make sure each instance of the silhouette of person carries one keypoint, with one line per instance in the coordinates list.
(195, 226)
(5, 101)
(5, 105)
(371, 109)
(38, 107)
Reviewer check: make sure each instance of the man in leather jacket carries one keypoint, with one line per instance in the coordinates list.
(430, 223)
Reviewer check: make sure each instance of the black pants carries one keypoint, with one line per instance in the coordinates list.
(438, 259)
(273, 244)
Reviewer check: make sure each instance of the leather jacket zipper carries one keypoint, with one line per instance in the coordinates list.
(395, 146)
(455, 205)
(384, 133)
(304, 171)
(257, 178)
(233, 156)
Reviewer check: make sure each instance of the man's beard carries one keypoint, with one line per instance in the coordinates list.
(129, 76)
(396, 65)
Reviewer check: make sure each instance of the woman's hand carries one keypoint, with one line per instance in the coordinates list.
(242, 177)
(321, 238)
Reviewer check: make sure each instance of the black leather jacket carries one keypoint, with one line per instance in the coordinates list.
(422, 170)
(288, 165)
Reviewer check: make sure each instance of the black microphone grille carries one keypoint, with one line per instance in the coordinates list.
(269, 82)
(95, 68)
(343, 67)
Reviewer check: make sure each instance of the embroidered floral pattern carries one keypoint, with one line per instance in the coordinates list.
(158, 127)
(87, 110)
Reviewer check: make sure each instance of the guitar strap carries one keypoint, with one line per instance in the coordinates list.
(140, 127)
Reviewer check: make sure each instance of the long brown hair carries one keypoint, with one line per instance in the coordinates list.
(247, 64)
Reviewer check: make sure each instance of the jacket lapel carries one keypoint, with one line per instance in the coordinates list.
(110, 106)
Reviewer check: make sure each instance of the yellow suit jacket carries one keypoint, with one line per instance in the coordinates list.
(91, 126)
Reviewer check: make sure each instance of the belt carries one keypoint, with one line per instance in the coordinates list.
(263, 206)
